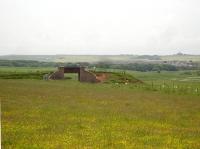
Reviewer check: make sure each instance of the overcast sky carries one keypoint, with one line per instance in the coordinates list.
(99, 26)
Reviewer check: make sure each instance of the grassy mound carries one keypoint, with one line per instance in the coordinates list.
(117, 77)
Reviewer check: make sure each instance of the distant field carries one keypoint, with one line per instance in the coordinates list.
(101, 58)
(71, 58)
(195, 58)
(69, 114)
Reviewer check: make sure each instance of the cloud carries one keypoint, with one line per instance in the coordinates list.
(102, 27)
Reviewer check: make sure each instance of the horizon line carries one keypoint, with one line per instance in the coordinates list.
(125, 54)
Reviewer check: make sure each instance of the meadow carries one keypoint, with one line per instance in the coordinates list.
(68, 114)
(179, 82)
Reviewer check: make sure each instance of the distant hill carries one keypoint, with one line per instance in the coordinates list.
(184, 57)
(102, 58)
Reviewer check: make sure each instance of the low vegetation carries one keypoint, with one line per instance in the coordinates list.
(22, 75)
(181, 82)
(135, 65)
(138, 66)
(38, 114)
(69, 114)
(117, 77)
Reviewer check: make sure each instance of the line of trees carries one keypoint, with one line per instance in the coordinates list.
(139, 66)
(108, 65)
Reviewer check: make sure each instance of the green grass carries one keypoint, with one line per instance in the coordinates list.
(24, 72)
(118, 77)
(69, 114)
(177, 76)
(181, 82)
(26, 69)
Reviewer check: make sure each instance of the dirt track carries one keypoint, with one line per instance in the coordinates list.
(102, 76)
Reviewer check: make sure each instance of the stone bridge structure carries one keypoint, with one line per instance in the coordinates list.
(83, 75)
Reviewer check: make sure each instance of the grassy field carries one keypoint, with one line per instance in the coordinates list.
(182, 82)
(37, 114)
(178, 76)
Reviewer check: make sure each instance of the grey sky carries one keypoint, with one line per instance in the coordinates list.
(99, 26)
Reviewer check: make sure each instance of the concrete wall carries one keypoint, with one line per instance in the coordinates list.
(57, 75)
(86, 76)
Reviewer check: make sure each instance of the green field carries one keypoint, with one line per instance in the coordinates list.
(37, 114)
